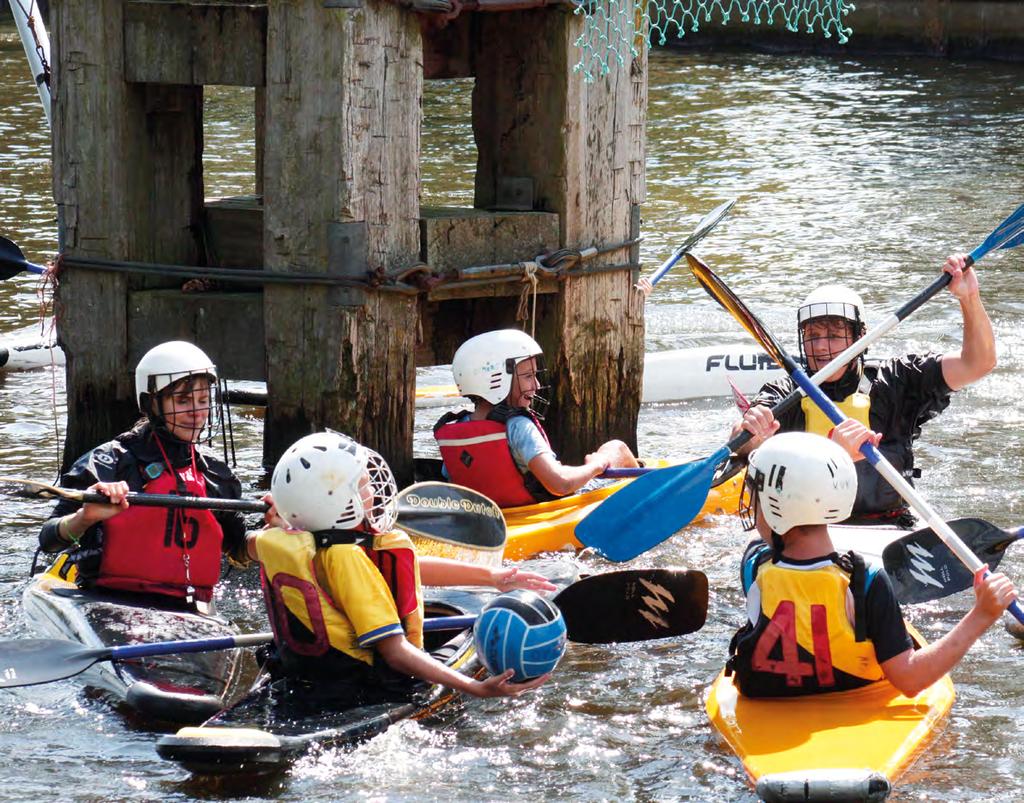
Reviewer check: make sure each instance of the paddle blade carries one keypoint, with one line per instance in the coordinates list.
(717, 289)
(649, 509)
(923, 568)
(635, 605)
(26, 662)
(13, 262)
(1008, 234)
(452, 514)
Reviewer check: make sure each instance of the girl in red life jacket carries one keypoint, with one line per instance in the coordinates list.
(499, 448)
(342, 584)
(173, 553)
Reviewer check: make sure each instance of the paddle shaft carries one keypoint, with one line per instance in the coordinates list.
(896, 480)
(170, 500)
(127, 651)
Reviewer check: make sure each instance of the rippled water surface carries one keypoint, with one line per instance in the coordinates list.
(867, 172)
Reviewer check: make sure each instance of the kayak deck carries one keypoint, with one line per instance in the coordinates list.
(179, 688)
(550, 526)
(280, 720)
(845, 745)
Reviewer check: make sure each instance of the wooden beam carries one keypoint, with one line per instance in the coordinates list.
(195, 43)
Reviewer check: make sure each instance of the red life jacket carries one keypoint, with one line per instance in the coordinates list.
(169, 551)
(477, 455)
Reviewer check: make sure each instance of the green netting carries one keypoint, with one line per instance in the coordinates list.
(613, 30)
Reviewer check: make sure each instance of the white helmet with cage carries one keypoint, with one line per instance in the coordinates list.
(166, 364)
(484, 365)
(832, 301)
(798, 478)
(327, 481)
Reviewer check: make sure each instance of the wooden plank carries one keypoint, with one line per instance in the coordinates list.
(228, 326)
(509, 288)
(195, 43)
(461, 238)
(234, 232)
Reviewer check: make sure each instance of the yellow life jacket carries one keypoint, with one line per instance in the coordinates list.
(803, 641)
(325, 589)
(857, 406)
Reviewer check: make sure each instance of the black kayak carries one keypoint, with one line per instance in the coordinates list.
(279, 720)
(177, 689)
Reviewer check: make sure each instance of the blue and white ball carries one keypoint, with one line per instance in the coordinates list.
(521, 631)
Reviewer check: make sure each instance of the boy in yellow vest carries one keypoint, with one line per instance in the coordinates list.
(343, 586)
(821, 622)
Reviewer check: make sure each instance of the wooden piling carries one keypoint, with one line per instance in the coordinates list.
(128, 184)
(582, 145)
(341, 195)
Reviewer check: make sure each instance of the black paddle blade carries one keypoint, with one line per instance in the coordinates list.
(12, 260)
(634, 605)
(451, 514)
(718, 290)
(923, 568)
(26, 662)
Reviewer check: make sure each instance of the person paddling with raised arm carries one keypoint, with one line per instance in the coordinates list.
(818, 621)
(904, 393)
(170, 552)
(342, 584)
(500, 448)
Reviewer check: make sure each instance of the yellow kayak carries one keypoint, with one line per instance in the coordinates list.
(549, 526)
(842, 746)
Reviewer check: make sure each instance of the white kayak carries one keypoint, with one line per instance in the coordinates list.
(669, 376)
(28, 356)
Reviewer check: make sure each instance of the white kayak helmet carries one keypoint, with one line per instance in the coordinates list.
(798, 478)
(327, 481)
(166, 364)
(832, 301)
(484, 365)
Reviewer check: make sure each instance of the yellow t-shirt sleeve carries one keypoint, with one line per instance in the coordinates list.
(357, 588)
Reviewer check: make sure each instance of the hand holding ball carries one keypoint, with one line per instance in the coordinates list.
(521, 631)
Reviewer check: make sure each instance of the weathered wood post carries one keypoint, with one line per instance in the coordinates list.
(127, 163)
(582, 145)
(341, 195)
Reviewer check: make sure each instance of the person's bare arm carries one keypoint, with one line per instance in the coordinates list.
(407, 659)
(915, 670)
(446, 572)
(977, 354)
(561, 479)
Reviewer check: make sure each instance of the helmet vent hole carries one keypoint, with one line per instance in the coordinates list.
(320, 448)
(288, 476)
(304, 461)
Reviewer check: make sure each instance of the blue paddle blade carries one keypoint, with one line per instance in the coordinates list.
(649, 509)
(1008, 234)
